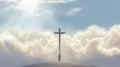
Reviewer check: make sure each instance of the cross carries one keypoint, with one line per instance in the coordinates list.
(59, 56)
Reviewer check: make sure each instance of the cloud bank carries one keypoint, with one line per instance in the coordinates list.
(24, 47)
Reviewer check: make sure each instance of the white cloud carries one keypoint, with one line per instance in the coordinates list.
(32, 6)
(60, 1)
(95, 42)
(9, 1)
(73, 11)
(69, 12)
(43, 1)
(45, 13)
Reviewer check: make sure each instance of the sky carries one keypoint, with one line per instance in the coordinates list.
(92, 31)
(68, 14)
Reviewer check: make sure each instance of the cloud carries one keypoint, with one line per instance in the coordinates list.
(60, 1)
(25, 47)
(10, 1)
(68, 12)
(40, 7)
(43, 1)
(73, 11)
(46, 12)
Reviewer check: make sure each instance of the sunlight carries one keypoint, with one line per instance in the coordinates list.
(28, 5)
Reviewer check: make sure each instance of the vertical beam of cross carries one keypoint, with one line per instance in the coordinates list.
(59, 33)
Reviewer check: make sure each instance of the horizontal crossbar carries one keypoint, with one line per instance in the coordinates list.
(59, 33)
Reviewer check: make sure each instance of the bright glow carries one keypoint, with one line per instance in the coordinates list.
(27, 5)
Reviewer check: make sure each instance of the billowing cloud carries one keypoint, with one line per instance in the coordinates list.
(23, 47)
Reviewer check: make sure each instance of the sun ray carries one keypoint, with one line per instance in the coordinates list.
(28, 5)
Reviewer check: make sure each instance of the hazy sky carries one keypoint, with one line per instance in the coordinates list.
(68, 14)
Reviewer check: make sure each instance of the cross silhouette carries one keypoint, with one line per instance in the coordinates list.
(59, 33)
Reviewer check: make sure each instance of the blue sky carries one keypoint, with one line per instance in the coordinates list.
(103, 13)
